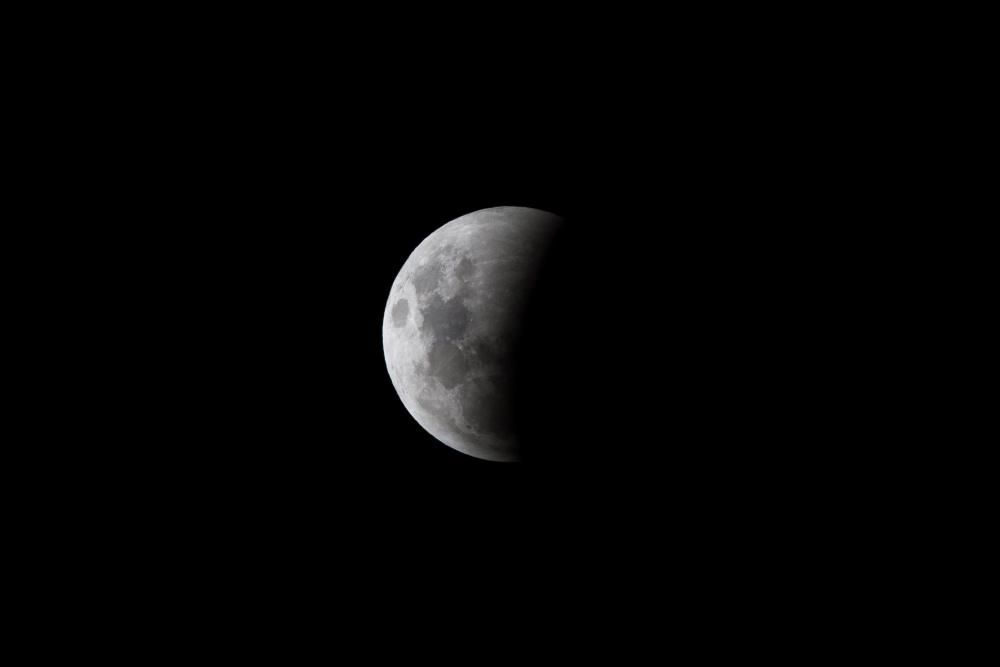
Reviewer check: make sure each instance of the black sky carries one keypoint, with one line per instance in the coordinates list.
(280, 233)
(260, 202)
(722, 396)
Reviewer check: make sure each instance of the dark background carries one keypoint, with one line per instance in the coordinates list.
(707, 392)
(690, 384)
(674, 346)
(265, 211)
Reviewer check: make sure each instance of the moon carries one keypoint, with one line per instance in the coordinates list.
(452, 319)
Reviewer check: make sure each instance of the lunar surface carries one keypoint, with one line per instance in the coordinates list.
(452, 318)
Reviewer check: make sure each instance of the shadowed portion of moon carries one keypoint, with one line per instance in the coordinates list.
(453, 321)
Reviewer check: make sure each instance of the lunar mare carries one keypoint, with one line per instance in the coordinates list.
(451, 321)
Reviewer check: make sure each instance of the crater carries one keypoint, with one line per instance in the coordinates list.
(400, 312)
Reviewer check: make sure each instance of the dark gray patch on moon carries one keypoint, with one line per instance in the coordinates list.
(445, 319)
(427, 278)
(400, 312)
(465, 269)
(447, 363)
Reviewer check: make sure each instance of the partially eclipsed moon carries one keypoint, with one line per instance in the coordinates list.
(451, 320)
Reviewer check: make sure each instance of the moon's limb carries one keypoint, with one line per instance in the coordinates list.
(451, 320)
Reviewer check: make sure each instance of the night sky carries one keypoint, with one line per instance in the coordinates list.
(686, 338)
(705, 352)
